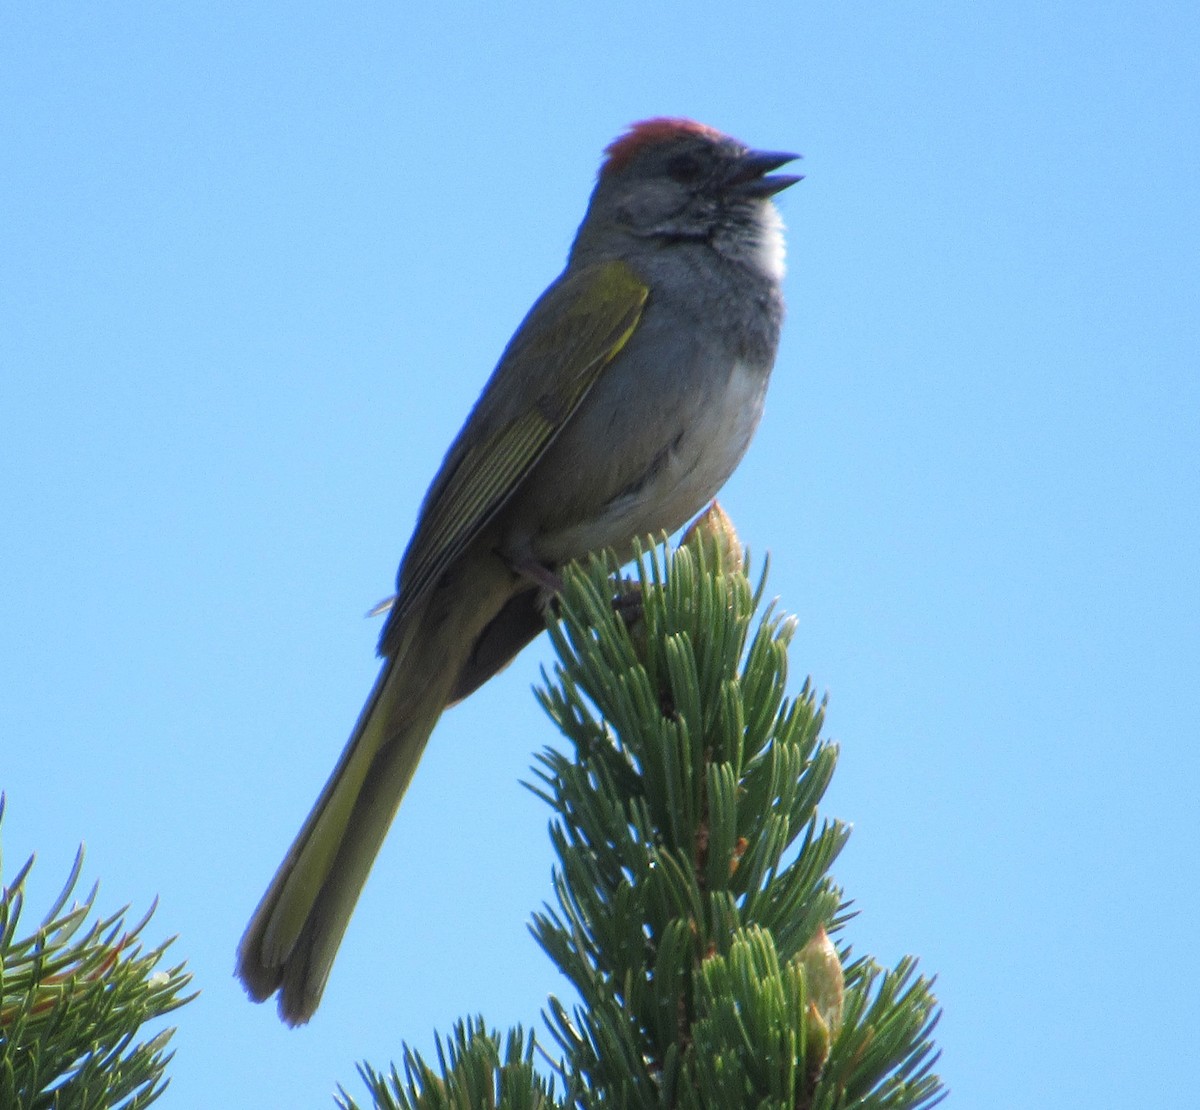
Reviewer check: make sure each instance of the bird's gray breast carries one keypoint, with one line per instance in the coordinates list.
(654, 440)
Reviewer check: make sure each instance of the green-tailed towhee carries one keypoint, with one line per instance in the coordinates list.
(626, 398)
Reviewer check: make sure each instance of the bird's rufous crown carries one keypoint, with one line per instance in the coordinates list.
(621, 151)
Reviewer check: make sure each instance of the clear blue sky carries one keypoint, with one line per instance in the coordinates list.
(256, 260)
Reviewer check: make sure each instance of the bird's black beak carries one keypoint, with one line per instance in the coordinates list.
(750, 174)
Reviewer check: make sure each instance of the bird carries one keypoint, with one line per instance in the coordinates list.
(622, 403)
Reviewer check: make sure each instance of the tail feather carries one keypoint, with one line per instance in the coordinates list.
(314, 890)
(324, 833)
(290, 943)
(308, 964)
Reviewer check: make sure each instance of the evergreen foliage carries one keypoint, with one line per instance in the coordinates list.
(73, 996)
(475, 1070)
(693, 905)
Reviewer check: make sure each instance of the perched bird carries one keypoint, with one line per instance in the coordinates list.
(621, 405)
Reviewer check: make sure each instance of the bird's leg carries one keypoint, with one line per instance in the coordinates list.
(549, 582)
(627, 601)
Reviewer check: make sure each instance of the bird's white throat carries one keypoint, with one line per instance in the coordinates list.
(770, 251)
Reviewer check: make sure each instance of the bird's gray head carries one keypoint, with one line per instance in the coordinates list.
(671, 181)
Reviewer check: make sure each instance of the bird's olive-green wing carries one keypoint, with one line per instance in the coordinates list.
(554, 360)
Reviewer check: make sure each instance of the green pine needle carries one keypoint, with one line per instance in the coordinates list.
(476, 1070)
(73, 996)
(693, 864)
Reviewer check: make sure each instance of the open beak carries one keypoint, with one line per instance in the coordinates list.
(753, 178)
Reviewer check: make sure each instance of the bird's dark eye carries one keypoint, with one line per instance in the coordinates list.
(684, 168)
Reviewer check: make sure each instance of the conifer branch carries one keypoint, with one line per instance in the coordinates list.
(73, 995)
(693, 908)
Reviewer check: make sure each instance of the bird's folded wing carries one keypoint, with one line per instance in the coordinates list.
(554, 360)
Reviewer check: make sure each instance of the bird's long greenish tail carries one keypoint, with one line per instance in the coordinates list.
(294, 934)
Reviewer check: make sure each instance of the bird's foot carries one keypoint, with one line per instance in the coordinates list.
(627, 603)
